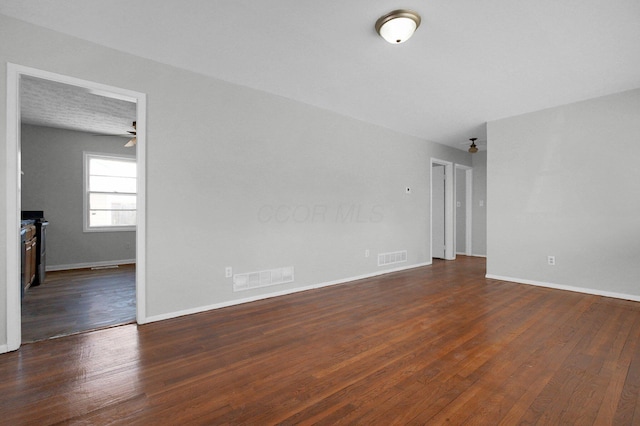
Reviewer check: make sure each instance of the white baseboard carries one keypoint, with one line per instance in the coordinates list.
(592, 291)
(471, 255)
(4, 349)
(90, 265)
(170, 315)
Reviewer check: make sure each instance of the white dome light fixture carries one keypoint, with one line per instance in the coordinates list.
(398, 26)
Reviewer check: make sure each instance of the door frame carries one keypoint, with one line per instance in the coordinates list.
(449, 199)
(468, 188)
(13, 188)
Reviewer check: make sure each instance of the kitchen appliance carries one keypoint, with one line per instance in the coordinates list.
(41, 242)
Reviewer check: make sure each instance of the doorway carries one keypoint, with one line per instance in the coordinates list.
(442, 211)
(14, 187)
(438, 221)
(464, 185)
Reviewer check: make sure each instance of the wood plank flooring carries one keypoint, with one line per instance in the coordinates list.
(78, 300)
(434, 345)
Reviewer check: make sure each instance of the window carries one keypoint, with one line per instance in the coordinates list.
(110, 193)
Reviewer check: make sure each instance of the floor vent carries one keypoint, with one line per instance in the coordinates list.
(391, 258)
(251, 280)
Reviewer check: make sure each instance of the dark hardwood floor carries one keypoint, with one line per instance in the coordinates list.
(79, 300)
(434, 345)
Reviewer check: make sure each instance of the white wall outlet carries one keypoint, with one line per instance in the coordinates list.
(551, 260)
(408, 190)
(366, 253)
(228, 272)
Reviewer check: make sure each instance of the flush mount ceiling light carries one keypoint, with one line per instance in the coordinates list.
(398, 26)
(473, 148)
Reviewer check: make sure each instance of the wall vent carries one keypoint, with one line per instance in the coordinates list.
(391, 258)
(266, 278)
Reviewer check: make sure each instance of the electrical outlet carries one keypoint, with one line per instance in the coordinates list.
(228, 272)
(366, 253)
(551, 260)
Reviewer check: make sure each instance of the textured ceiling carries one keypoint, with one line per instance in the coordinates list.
(53, 104)
(469, 62)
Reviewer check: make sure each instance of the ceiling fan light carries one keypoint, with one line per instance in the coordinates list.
(473, 148)
(398, 26)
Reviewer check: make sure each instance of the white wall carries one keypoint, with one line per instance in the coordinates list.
(565, 182)
(219, 156)
(52, 162)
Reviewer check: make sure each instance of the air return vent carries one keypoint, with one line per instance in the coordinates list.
(266, 278)
(392, 258)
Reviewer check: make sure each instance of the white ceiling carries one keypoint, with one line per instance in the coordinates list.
(469, 62)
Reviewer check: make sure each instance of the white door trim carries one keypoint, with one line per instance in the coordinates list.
(449, 200)
(13, 179)
(468, 206)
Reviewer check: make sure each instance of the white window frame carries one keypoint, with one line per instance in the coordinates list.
(87, 156)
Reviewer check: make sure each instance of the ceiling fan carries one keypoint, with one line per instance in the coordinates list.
(472, 149)
(475, 146)
(132, 141)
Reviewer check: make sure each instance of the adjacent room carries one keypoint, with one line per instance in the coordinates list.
(319, 212)
(78, 179)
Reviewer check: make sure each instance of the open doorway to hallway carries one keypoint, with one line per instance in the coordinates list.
(464, 197)
(442, 217)
(438, 212)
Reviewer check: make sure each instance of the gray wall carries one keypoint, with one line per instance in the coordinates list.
(564, 182)
(52, 162)
(219, 156)
(479, 196)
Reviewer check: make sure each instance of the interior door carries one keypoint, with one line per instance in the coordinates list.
(438, 211)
